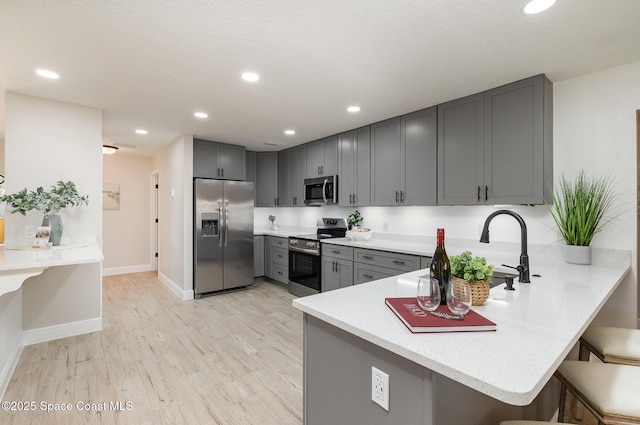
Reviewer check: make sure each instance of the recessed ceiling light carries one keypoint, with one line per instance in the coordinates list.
(250, 76)
(537, 6)
(47, 74)
(201, 115)
(141, 131)
(289, 132)
(353, 109)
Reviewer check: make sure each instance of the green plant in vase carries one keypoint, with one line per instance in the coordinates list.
(62, 195)
(272, 219)
(474, 270)
(354, 220)
(578, 208)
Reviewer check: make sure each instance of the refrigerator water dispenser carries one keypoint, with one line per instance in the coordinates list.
(209, 225)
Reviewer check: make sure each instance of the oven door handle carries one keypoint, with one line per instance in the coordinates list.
(305, 251)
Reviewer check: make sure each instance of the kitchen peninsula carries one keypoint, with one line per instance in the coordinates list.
(447, 378)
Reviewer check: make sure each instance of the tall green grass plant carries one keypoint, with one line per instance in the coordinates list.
(579, 207)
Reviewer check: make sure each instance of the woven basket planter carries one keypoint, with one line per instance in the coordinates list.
(479, 290)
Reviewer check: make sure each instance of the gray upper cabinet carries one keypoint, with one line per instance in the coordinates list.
(354, 167)
(297, 173)
(404, 160)
(496, 147)
(419, 147)
(283, 179)
(386, 162)
(266, 179)
(322, 157)
(292, 168)
(218, 160)
(252, 163)
(518, 158)
(460, 151)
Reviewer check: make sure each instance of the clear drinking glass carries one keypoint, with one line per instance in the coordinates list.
(428, 293)
(459, 297)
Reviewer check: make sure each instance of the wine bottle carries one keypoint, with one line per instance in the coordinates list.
(440, 267)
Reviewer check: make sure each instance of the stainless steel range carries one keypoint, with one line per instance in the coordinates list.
(304, 256)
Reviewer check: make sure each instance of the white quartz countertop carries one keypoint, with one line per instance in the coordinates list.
(20, 262)
(537, 325)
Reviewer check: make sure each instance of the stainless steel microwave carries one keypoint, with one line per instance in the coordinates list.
(321, 190)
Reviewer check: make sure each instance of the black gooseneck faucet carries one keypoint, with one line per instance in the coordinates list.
(523, 268)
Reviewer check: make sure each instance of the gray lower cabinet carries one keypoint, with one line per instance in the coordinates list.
(276, 258)
(258, 256)
(354, 165)
(369, 264)
(322, 157)
(266, 187)
(218, 160)
(496, 147)
(337, 267)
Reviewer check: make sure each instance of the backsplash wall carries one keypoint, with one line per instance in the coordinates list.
(458, 222)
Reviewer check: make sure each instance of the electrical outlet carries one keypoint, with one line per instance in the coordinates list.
(380, 388)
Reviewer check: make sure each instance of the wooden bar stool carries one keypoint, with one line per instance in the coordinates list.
(610, 391)
(611, 345)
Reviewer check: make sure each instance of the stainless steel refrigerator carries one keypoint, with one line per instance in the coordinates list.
(223, 235)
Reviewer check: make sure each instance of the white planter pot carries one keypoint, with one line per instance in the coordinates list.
(574, 254)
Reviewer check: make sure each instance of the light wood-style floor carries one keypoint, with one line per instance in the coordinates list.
(230, 359)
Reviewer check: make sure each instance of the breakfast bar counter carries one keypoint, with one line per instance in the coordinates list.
(437, 377)
(17, 263)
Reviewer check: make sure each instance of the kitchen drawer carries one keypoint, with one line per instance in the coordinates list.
(336, 251)
(280, 256)
(280, 273)
(363, 273)
(277, 242)
(402, 262)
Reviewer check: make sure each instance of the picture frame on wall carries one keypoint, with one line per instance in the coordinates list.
(110, 196)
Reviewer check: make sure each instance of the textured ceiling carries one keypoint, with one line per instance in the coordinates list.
(152, 63)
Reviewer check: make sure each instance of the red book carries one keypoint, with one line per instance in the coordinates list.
(418, 320)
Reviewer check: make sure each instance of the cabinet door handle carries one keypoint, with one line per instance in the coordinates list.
(335, 252)
(350, 198)
(280, 273)
(222, 172)
(401, 196)
(486, 193)
(479, 193)
(368, 276)
(396, 196)
(367, 257)
(354, 198)
(398, 262)
(279, 255)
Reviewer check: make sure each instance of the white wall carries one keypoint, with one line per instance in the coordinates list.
(175, 251)
(126, 231)
(47, 141)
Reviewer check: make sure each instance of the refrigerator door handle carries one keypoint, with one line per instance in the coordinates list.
(222, 223)
(226, 223)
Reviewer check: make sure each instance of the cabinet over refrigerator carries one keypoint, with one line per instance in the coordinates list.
(223, 235)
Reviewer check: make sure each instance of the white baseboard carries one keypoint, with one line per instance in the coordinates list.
(175, 288)
(49, 333)
(112, 271)
(8, 369)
